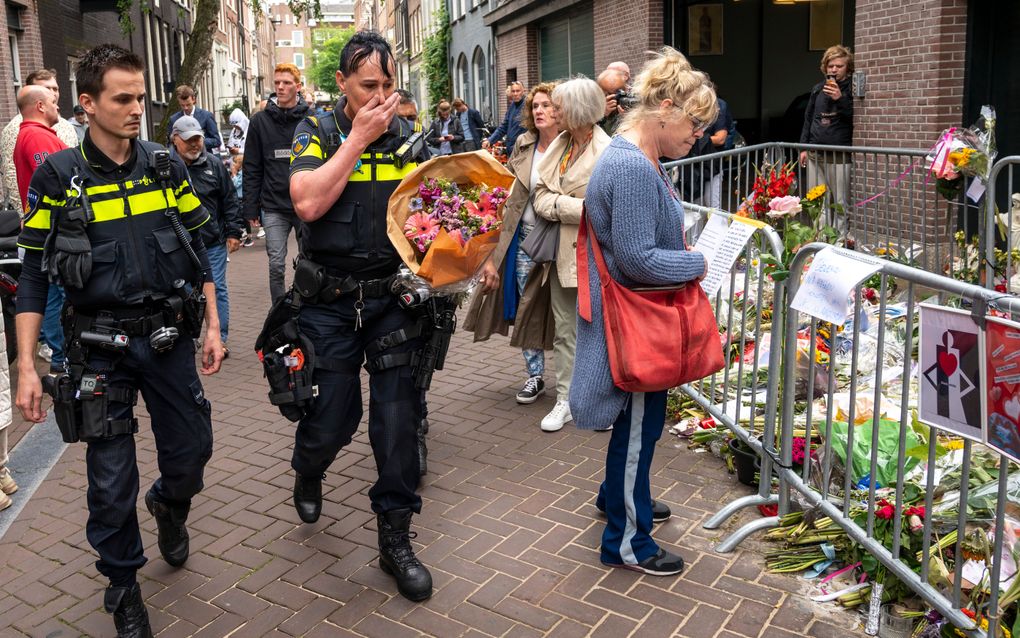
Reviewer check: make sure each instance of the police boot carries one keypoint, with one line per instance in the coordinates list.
(423, 452)
(172, 536)
(396, 557)
(308, 497)
(129, 614)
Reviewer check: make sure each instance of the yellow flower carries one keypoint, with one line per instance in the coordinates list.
(816, 192)
(954, 445)
(961, 157)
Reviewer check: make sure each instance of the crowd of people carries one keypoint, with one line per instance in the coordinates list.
(119, 293)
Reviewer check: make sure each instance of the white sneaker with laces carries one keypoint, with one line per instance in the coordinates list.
(45, 352)
(557, 417)
(261, 233)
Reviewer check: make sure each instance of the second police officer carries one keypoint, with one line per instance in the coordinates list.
(115, 221)
(342, 175)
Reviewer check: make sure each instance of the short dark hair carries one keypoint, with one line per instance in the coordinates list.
(360, 48)
(40, 75)
(406, 97)
(184, 92)
(95, 62)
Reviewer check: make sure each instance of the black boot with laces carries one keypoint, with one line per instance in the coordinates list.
(172, 535)
(129, 614)
(396, 557)
(308, 497)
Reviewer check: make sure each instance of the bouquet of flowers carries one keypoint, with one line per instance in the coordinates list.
(442, 206)
(771, 181)
(445, 215)
(963, 152)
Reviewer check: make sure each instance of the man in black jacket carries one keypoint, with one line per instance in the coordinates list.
(267, 169)
(471, 123)
(445, 133)
(211, 181)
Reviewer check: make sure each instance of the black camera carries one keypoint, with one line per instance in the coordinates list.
(161, 164)
(409, 150)
(625, 99)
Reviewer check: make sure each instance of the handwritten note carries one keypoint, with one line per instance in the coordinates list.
(825, 290)
(721, 245)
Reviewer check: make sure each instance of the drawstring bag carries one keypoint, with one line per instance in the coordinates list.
(658, 338)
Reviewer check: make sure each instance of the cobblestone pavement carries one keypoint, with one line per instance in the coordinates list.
(508, 528)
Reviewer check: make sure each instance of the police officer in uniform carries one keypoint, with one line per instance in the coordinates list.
(342, 175)
(115, 221)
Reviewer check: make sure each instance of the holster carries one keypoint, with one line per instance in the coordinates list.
(316, 285)
(81, 405)
(288, 359)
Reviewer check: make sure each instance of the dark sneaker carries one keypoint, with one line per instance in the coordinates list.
(129, 613)
(308, 497)
(533, 388)
(660, 511)
(171, 533)
(661, 564)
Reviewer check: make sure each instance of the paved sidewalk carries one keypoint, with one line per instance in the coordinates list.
(508, 528)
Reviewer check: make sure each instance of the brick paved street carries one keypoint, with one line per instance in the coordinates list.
(508, 529)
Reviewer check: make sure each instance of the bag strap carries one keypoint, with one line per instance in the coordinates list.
(585, 232)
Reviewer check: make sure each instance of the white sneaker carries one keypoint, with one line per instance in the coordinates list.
(45, 352)
(557, 417)
(261, 233)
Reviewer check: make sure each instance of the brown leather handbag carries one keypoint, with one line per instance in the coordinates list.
(658, 338)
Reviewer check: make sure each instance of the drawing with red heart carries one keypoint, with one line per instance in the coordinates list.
(948, 363)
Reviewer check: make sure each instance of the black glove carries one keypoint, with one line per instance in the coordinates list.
(67, 259)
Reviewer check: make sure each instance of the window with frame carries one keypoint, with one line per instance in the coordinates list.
(463, 80)
(299, 60)
(481, 72)
(297, 38)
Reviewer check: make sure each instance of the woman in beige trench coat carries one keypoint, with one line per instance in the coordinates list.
(515, 290)
(559, 197)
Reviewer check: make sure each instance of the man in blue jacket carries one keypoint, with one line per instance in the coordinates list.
(471, 123)
(186, 98)
(511, 126)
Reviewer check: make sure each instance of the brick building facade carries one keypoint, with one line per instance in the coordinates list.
(22, 54)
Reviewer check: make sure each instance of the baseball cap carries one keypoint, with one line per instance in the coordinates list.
(78, 109)
(187, 127)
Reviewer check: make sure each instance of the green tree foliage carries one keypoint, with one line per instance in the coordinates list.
(325, 59)
(436, 59)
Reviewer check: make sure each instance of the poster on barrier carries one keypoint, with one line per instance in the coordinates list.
(1001, 386)
(950, 359)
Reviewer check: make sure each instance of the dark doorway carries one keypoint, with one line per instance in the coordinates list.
(993, 56)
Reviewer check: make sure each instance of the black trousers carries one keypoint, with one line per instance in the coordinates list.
(395, 406)
(182, 428)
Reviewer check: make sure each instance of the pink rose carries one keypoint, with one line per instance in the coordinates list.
(785, 206)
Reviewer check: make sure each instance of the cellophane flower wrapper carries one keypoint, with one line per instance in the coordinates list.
(965, 151)
(446, 266)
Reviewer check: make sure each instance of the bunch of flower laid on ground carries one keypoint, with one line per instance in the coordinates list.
(963, 152)
(463, 213)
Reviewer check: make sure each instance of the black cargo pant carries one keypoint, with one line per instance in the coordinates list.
(182, 428)
(395, 405)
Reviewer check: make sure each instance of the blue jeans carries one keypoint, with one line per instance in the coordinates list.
(218, 263)
(52, 331)
(278, 227)
(534, 358)
(625, 494)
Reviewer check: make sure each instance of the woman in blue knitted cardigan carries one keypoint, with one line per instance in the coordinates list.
(638, 220)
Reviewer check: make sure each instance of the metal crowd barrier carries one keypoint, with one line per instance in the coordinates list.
(890, 202)
(815, 485)
(1002, 211)
(741, 301)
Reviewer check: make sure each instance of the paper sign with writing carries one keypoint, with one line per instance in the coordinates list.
(825, 289)
(721, 245)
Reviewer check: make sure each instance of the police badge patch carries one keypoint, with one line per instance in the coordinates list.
(31, 203)
(300, 144)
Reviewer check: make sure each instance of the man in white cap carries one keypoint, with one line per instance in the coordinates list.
(210, 181)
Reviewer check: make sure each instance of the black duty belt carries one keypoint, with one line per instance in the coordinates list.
(322, 284)
(132, 322)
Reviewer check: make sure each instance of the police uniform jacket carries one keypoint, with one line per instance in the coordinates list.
(136, 256)
(211, 181)
(351, 237)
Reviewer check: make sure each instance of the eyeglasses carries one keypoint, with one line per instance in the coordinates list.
(699, 126)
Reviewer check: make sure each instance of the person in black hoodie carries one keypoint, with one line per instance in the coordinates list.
(211, 181)
(829, 119)
(266, 170)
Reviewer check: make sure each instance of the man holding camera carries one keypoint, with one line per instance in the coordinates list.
(116, 222)
(343, 169)
(613, 83)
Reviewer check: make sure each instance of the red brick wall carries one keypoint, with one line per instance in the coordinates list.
(516, 49)
(627, 38)
(913, 53)
(29, 51)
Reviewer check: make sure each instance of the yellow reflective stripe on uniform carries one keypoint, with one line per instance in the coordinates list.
(103, 188)
(39, 219)
(390, 173)
(312, 149)
(140, 203)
